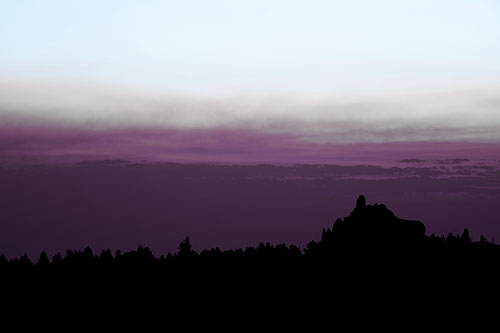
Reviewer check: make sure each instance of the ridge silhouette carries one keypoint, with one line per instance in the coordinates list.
(368, 228)
(369, 252)
(376, 222)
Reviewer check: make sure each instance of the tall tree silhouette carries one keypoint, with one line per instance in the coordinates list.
(185, 248)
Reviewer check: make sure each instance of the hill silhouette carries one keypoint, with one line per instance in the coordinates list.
(369, 252)
(367, 230)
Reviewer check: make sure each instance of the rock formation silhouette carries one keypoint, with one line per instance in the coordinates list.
(370, 238)
(370, 252)
(376, 223)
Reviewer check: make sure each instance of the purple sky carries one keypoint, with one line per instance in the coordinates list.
(119, 205)
(67, 187)
(41, 144)
(400, 99)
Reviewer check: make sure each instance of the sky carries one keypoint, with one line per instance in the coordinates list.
(119, 205)
(399, 100)
(201, 47)
(328, 72)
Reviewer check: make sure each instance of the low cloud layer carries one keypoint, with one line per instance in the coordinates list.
(464, 116)
(38, 144)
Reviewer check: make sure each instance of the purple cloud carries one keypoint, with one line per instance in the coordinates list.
(62, 144)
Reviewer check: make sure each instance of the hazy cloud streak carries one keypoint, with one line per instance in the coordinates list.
(453, 116)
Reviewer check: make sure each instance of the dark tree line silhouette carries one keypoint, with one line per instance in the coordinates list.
(370, 254)
(370, 235)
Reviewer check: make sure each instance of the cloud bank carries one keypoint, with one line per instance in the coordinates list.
(38, 144)
(448, 116)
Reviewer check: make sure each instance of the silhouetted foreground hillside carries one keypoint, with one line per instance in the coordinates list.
(370, 251)
(370, 234)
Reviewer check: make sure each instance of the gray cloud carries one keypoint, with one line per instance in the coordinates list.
(453, 116)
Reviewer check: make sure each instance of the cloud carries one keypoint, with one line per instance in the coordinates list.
(412, 160)
(452, 161)
(63, 144)
(452, 117)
